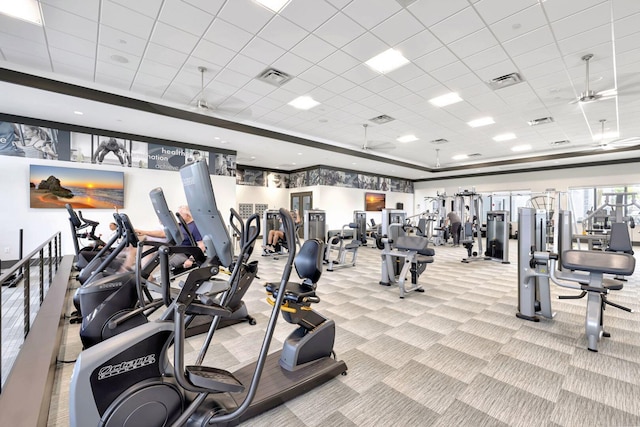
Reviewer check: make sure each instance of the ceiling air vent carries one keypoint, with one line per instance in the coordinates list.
(505, 81)
(542, 121)
(439, 141)
(380, 120)
(274, 77)
(563, 142)
(474, 155)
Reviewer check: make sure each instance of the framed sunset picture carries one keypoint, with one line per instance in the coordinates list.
(53, 187)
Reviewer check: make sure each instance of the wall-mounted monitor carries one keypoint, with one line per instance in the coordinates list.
(53, 187)
(374, 201)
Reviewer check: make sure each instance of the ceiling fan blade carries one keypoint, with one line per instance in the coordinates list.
(379, 146)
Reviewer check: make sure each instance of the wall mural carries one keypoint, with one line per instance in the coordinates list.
(37, 142)
(322, 176)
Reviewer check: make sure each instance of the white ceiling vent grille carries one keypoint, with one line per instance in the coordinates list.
(563, 142)
(274, 77)
(439, 141)
(505, 81)
(380, 120)
(541, 121)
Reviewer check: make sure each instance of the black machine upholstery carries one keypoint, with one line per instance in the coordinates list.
(599, 262)
(619, 240)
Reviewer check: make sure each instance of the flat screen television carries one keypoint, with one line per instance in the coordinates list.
(374, 201)
(53, 187)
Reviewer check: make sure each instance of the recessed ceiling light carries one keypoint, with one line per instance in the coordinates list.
(216, 138)
(353, 163)
(407, 138)
(294, 163)
(253, 157)
(444, 100)
(304, 102)
(504, 137)
(26, 10)
(521, 148)
(79, 113)
(460, 157)
(481, 122)
(274, 5)
(388, 60)
(299, 154)
(223, 142)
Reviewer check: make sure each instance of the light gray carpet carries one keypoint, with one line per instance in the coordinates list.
(455, 355)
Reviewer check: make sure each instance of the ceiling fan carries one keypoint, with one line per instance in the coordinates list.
(589, 95)
(616, 143)
(375, 145)
(230, 107)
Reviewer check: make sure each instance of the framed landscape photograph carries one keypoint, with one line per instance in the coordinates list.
(53, 187)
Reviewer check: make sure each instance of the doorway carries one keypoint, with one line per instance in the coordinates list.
(301, 202)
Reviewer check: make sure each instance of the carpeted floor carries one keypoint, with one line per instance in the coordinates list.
(454, 355)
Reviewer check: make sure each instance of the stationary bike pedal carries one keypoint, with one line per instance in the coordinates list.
(216, 380)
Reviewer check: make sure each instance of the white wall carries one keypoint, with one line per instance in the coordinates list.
(276, 198)
(560, 180)
(40, 224)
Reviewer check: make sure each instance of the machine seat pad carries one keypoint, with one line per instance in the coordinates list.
(599, 262)
(297, 290)
(612, 284)
(424, 259)
(352, 245)
(412, 243)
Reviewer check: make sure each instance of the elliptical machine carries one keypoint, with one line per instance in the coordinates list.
(128, 380)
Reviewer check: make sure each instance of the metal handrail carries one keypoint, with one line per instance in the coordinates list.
(53, 246)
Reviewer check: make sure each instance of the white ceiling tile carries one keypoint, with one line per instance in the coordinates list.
(283, 33)
(308, 15)
(357, 93)
(70, 70)
(419, 45)
(282, 94)
(457, 26)
(339, 62)
(259, 87)
(164, 55)
(583, 43)
(68, 42)
(360, 74)
(486, 58)
(316, 75)
(228, 35)
(405, 73)
(150, 8)
(462, 82)
(245, 14)
(519, 24)
(117, 16)
(627, 26)
(421, 82)
(213, 53)
(150, 81)
(21, 29)
(495, 10)
(498, 69)
(187, 18)
(553, 67)
(174, 38)
(12, 42)
(299, 87)
(148, 90)
(448, 72)
(398, 28)
(69, 23)
(556, 10)
(536, 56)
(246, 66)
(473, 43)
(105, 56)
(157, 69)
(313, 49)
(321, 94)
(368, 13)
(86, 8)
(593, 17)
(435, 59)
(365, 47)
(39, 52)
(292, 64)
(395, 92)
(123, 74)
(522, 44)
(210, 6)
(430, 12)
(338, 85)
(379, 84)
(120, 40)
(263, 51)
(339, 30)
(231, 78)
(112, 81)
(59, 56)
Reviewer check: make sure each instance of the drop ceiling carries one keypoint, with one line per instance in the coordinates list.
(148, 52)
